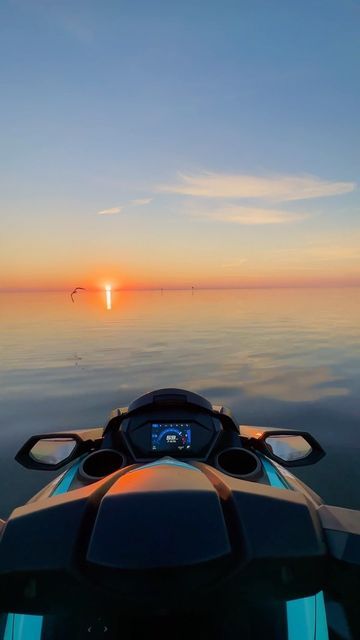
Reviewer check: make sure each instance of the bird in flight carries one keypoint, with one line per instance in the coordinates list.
(75, 291)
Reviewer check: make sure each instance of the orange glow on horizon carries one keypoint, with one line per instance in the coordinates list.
(155, 279)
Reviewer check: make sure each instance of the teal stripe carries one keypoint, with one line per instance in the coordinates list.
(23, 627)
(9, 627)
(322, 632)
(301, 618)
(66, 480)
(273, 476)
(306, 617)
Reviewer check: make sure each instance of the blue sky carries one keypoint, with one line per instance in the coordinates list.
(110, 106)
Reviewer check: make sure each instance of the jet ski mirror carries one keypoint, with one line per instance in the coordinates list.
(288, 447)
(52, 451)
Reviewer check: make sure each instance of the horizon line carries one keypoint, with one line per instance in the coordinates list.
(190, 288)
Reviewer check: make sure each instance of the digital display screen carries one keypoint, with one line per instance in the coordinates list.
(174, 436)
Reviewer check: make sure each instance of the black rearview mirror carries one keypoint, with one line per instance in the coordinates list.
(53, 451)
(288, 447)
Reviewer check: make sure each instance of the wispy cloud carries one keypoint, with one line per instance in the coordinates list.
(140, 202)
(250, 215)
(275, 188)
(110, 212)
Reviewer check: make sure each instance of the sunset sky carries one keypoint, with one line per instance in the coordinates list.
(166, 143)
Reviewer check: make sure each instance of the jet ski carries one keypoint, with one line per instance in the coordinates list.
(174, 521)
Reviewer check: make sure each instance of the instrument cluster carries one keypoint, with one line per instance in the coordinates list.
(182, 435)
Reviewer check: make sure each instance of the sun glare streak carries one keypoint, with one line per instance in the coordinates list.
(108, 297)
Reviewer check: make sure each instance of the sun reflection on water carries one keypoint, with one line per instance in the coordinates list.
(108, 297)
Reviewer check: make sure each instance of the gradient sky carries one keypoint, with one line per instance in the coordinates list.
(176, 143)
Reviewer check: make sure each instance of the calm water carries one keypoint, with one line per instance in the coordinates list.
(279, 358)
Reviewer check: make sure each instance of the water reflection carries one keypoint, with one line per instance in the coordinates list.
(279, 381)
(108, 297)
(278, 358)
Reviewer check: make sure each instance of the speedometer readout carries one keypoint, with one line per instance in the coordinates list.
(174, 436)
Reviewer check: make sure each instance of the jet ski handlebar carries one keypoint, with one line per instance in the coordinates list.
(175, 525)
(140, 537)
